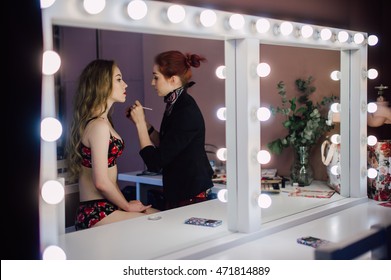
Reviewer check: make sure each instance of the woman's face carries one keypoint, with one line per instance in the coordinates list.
(118, 93)
(162, 85)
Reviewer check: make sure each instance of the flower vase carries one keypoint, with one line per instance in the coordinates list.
(301, 170)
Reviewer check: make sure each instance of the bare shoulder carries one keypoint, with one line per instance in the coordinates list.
(97, 129)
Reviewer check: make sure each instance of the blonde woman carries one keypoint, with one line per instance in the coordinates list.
(95, 145)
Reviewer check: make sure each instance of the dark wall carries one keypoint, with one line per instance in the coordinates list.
(22, 133)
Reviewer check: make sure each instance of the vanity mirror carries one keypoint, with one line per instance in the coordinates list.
(242, 36)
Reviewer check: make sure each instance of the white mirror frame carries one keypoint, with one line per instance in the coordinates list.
(241, 58)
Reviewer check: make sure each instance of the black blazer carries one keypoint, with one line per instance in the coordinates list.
(181, 155)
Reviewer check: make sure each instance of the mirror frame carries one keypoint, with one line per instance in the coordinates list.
(241, 58)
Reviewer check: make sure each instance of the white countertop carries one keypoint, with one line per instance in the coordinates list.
(169, 238)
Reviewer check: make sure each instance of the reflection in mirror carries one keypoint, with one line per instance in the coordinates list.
(289, 64)
(241, 49)
(134, 53)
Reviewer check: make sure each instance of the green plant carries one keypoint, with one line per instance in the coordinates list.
(303, 118)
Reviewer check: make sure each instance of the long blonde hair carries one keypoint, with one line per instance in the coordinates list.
(90, 101)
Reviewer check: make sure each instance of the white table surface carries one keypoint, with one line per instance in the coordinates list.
(335, 227)
(155, 180)
(141, 238)
(169, 238)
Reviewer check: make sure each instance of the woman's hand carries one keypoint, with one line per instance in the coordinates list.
(137, 206)
(136, 113)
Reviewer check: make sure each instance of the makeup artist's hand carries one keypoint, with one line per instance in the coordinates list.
(136, 113)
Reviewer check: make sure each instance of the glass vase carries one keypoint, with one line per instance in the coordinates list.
(301, 170)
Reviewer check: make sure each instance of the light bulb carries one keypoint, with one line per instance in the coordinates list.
(306, 31)
(46, 3)
(372, 40)
(51, 129)
(263, 70)
(221, 113)
(137, 9)
(51, 62)
(335, 107)
(358, 38)
(263, 114)
(286, 28)
(262, 25)
(222, 154)
(53, 252)
(372, 173)
(52, 192)
(325, 34)
(335, 170)
(335, 138)
(222, 195)
(335, 75)
(343, 36)
(372, 107)
(372, 74)
(236, 21)
(264, 200)
(372, 140)
(208, 18)
(220, 72)
(94, 7)
(176, 13)
(263, 157)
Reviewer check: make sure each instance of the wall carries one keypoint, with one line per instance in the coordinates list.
(134, 54)
(361, 15)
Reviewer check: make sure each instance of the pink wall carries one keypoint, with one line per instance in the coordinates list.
(289, 64)
(135, 52)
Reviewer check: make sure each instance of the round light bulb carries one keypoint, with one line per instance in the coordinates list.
(236, 21)
(358, 38)
(222, 154)
(306, 31)
(263, 157)
(372, 74)
(263, 69)
(176, 13)
(343, 36)
(52, 192)
(335, 170)
(208, 18)
(372, 173)
(221, 113)
(222, 195)
(372, 140)
(137, 9)
(94, 7)
(372, 107)
(262, 25)
(263, 114)
(325, 34)
(286, 28)
(372, 40)
(335, 107)
(220, 72)
(335, 75)
(51, 62)
(51, 129)
(335, 138)
(264, 200)
(53, 253)
(46, 3)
